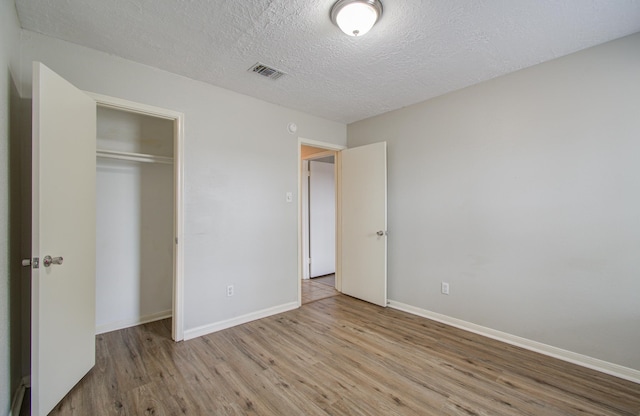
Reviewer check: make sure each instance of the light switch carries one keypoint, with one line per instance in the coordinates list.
(289, 196)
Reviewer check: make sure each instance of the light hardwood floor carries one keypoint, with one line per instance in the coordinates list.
(316, 289)
(329, 279)
(336, 356)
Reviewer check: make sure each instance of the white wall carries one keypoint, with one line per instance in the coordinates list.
(9, 358)
(523, 193)
(134, 233)
(239, 163)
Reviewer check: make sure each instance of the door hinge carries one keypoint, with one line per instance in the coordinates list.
(309, 260)
(176, 240)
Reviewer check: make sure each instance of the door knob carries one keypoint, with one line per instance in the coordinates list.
(48, 260)
(381, 233)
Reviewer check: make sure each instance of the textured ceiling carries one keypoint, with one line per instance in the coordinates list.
(418, 50)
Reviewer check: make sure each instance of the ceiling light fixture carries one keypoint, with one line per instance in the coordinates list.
(356, 17)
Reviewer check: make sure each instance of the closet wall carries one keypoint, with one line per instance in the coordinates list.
(135, 211)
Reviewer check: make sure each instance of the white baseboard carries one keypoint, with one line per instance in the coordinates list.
(219, 326)
(18, 397)
(114, 326)
(569, 356)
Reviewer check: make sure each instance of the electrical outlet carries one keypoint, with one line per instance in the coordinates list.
(445, 288)
(230, 290)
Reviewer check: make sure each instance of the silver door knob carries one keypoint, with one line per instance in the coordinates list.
(48, 260)
(380, 233)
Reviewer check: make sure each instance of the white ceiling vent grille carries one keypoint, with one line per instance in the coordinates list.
(266, 71)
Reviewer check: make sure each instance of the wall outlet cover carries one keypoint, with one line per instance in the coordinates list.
(445, 288)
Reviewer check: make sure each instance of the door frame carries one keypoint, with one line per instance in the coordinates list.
(177, 330)
(333, 148)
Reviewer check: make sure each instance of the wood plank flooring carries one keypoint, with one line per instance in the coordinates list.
(329, 279)
(336, 356)
(316, 289)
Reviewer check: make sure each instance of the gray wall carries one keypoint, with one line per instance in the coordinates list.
(9, 329)
(239, 163)
(523, 193)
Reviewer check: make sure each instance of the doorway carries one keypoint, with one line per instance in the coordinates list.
(138, 217)
(63, 231)
(318, 225)
(361, 220)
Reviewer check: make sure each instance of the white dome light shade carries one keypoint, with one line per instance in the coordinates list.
(356, 17)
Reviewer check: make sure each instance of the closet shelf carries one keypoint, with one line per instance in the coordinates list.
(136, 157)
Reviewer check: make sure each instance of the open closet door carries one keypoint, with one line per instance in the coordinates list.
(63, 238)
(364, 222)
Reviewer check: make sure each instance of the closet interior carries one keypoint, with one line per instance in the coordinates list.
(134, 218)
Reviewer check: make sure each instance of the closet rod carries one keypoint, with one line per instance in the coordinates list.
(136, 157)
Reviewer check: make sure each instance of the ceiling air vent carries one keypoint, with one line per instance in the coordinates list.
(266, 71)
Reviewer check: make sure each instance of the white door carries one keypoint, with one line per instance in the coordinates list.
(364, 222)
(63, 221)
(322, 218)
